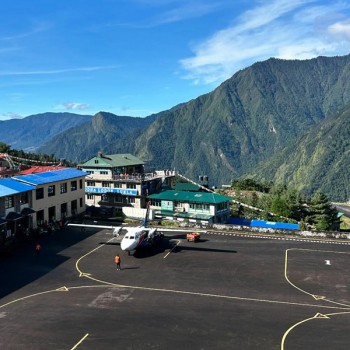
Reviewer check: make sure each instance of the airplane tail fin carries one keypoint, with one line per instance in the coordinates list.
(145, 221)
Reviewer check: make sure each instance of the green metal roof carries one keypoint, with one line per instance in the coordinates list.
(194, 197)
(113, 160)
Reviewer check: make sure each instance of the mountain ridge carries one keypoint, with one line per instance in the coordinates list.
(31, 132)
(261, 111)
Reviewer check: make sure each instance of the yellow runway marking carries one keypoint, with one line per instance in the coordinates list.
(81, 274)
(213, 295)
(62, 289)
(316, 297)
(87, 275)
(338, 308)
(178, 242)
(317, 316)
(80, 341)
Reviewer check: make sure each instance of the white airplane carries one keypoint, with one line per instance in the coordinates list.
(135, 237)
(140, 237)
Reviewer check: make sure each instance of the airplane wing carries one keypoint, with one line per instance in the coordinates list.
(116, 229)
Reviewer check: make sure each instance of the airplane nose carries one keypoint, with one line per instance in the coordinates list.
(128, 245)
(123, 245)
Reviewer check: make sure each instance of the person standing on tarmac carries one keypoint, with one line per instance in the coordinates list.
(38, 248)
(117, 261)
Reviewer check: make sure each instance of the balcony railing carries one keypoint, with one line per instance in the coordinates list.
(144, 177)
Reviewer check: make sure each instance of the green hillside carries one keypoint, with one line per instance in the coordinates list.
(104, 132)
(31, 132)
(318, 161)
(250, 124)
(249, 118)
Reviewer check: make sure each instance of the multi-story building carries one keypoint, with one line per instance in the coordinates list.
(15, 206)
(119, 181)
(196, 207)
(58, 194)
(30, 201)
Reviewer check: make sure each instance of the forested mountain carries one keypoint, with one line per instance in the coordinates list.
(231, 132)
(249, 118)
(31, 132)
(318, 161)
(104, 132)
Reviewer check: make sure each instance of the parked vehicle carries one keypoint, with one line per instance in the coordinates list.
(193, 236)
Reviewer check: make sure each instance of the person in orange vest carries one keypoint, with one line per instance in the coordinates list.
(37, 248)
(117, 261)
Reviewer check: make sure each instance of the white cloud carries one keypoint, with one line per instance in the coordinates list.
(186, 11)
(72, 106)
(56, 71)
(10, 115)
(340, 29)
(282, 28)
(37, 28)
(172, 11)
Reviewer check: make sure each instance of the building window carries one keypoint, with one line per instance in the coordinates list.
(24, 198)
(90, 172)
(51, 190)
(156, 202)
(131, 186)
(9, 202)
(222, 206)
(80, 183)
(90, 196)
(106, 184)
(131, 200)
(63, 187)
(96, 161)
(81, 202)
(73, 185)
(39, 193)
(91, 183)
(102, 172)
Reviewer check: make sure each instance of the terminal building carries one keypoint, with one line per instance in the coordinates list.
(33, 200)
(119, 182)
(194, 207)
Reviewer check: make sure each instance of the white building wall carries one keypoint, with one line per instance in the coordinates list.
(59, 198)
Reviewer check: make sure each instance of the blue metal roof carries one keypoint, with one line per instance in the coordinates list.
(8, 187)
(51, 176)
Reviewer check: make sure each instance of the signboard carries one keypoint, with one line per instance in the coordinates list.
(101, 190)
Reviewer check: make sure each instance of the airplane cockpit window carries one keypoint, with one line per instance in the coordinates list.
(131, 237)
(127, 237)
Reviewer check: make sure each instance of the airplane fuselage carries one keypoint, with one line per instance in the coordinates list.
(139, 237)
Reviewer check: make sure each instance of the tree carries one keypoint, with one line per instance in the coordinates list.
(250, 185)
(279, 207)
(295, 203)
(4, 148)
(323, 214)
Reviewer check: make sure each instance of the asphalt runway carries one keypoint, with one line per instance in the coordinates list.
(228, 291)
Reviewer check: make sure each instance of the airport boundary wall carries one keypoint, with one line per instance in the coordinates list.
(264, 230)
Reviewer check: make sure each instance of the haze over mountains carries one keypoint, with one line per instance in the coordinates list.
(280, 120)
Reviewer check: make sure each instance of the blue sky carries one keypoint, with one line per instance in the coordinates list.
(138, 57)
